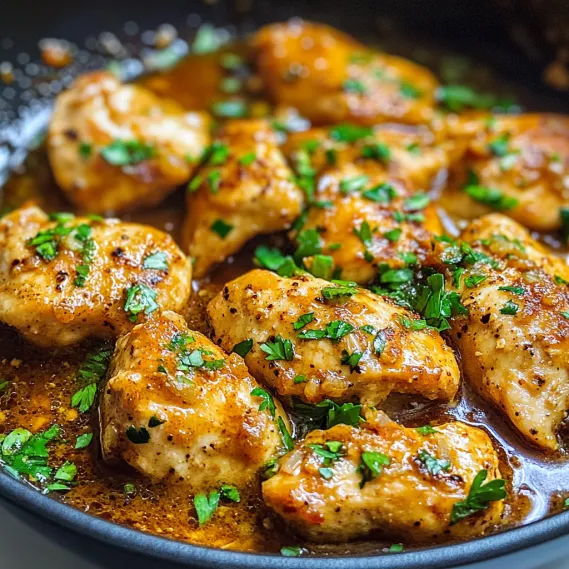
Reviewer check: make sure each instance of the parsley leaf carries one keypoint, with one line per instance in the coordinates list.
(280, 349)
(371, 465)
(137, 436)
(140, 298)
(268, 401)
(222, 228)
(243, 348)
(383, 193)
(303, 320)
(349, 132)
(328, 413)
(127, 152)
(479, 497)
(426, 430)
(206, 505)
(492, 197)
(510, 308)
(434, 465)
(157, 261)
(288, 443)
(83, 440)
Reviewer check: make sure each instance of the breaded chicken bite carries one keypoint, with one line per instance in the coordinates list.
(66, 278)
(180, 410)
(330, 77)
(513, 338)
(399, 483)
(313, 339)
(245, 189)
(517, 165)
(114, 147)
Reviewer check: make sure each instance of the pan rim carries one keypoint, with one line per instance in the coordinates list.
(160, 548)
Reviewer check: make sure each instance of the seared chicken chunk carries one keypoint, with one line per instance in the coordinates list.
(415, 154)
(518, 165)
(63, 279)
(515, 337)
(244, 190)
(113, 147)
(364, 213)
(330, 77)
(315, 340)
(345, 483)
(179, 409)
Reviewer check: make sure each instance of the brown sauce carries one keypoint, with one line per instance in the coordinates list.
(41, 386)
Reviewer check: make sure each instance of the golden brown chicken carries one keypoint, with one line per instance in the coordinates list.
(179, 409)
(514, 340)
(363, 212)
(518, 165)
(415, 154)
(345, 482)
(113, 147)
(330, 77)
(245, 189)
(315, 340)
(66, 278)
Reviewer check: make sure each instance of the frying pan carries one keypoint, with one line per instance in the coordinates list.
(474, 28)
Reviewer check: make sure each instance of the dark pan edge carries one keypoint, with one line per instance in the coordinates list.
(148, 545)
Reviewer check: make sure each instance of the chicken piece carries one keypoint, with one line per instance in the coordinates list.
(515, 337)
(364, 219)
(346, 482)
(330, 77)
(502, 234)
(414, 154)
(114, 147)
(515, 164)
(315, 340)
(244, 190)
(179, 409)
(66, 278)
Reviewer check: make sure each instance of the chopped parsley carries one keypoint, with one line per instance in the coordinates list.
(342, 288)
(354, 86)
(309, 244)
(221, 228)
(303, 320)
(479, 497)
(426, 430)
(510, 308)
(492, 197)
(288, 443)
(349, 132)
(274, 260)
(351, 359)
(364, 234)
(383, 193)
(322, 266)
(127, 152)
(248, 159)
(243, 348)
(371, 465)
(474, 280)
(327, 413)
(280, 349)
(26, 454)
(353, 184)
(157, 261)
(417, 202)
(154, 422)
(291, 551)
(85, 150)
(268, 401)
(377, 151)
(83, 440)
(564, 215)
(434, 465)
(91, 372)
(334, 331)
(140, 298)
(137, 436)
(520, 291)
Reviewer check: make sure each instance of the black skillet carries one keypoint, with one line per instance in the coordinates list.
(476, 28)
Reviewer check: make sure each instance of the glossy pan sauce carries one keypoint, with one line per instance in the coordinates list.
(41, 386)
